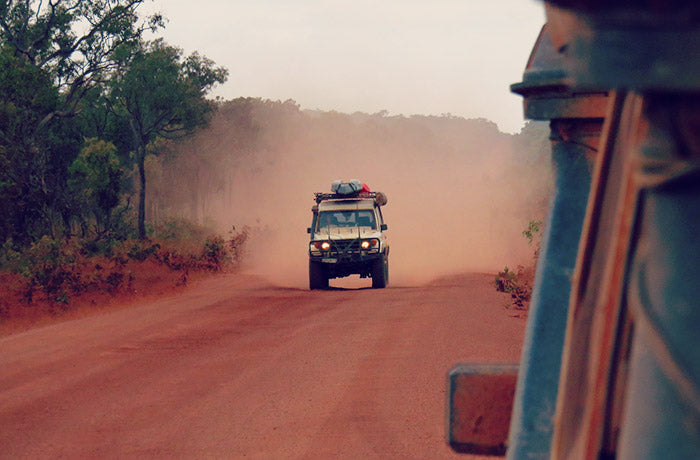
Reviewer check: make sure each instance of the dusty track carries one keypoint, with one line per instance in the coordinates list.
(237, 368)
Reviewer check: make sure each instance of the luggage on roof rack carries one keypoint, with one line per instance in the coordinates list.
(346, 187)
(352, 188)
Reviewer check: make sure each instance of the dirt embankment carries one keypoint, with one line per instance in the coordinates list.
(151, 281)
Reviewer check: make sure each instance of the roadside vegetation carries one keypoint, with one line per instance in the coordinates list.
(85, 98)
(53, 276)
(518, 283)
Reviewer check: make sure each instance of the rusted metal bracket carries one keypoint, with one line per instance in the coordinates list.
(479, 406)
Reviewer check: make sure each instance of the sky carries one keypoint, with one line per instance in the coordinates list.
(404, 57)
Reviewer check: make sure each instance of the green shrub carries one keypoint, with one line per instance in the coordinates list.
(516, 284)
(62, 268)
(506, 280)
(51, 266)
(533, 234)
(214, 253)
(142, 250)
(237, 244)
(11, 256)
(219, 253)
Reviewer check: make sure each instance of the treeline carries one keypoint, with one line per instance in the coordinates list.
(258, 163)
(257, 154)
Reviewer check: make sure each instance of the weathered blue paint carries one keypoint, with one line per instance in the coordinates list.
(652, 53)
(576, 120)
(662, 411)
(536, 392)
(645, 404)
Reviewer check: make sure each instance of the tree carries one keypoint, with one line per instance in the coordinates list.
(96, 181)
(162, 95)
(52, 53)
(77, 42)
(26, 96)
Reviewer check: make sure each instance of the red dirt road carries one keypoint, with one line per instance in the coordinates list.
(237, 368)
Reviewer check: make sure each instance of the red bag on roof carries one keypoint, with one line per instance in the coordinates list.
(365, 188)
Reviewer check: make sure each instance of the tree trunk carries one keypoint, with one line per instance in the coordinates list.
(141, 159)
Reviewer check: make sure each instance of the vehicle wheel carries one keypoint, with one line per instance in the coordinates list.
(380, 272)
(317, 276)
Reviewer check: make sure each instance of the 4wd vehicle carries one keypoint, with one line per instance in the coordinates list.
(348, 236)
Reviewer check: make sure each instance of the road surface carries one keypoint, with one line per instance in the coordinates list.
(237, 368)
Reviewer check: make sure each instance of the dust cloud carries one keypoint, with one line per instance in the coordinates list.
(460, 193)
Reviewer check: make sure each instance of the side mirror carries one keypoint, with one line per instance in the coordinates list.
(308, 230)
(384, 227)
(479, 404)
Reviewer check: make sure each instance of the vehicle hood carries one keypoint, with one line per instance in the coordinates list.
(347, 233)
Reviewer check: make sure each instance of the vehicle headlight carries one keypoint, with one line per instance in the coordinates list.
(369, 244)
(320, 245)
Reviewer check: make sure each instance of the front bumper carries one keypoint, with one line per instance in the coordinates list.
(346, 257)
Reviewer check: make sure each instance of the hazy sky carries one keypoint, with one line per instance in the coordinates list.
(405, 56)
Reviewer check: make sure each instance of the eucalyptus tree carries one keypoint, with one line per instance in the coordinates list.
(162, 94)
(76, 41)
(53, 53)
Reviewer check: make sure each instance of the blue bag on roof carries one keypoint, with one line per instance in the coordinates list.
(346, 187)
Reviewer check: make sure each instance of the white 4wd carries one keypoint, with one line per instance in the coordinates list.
(348, 237)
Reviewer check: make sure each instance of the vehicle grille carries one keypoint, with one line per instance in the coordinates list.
(345, 249)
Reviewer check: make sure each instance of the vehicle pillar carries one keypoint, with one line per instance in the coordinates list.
(630, 377)
(576, 120)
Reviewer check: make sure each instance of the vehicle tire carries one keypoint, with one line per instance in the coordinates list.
(380, 272)
(317, 276)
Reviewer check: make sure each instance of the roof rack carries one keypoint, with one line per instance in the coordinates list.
(378, 197)
(320, 196)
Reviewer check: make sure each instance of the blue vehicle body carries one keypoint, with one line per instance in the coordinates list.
(611, 359)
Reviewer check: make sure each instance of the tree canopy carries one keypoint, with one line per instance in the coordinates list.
(82, 96)
(76, 42)
(161, 94)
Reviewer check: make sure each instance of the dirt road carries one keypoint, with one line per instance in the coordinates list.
(237, 368)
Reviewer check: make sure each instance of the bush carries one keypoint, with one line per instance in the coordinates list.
(142, 250)
(533, 234)
(237, 244)
(62, 268)
(50, 266)
(506, 280)
(10, 256)
(214, 253)
(220, 253)
(519, 283)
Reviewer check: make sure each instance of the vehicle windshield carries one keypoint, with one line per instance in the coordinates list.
(328, 220)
